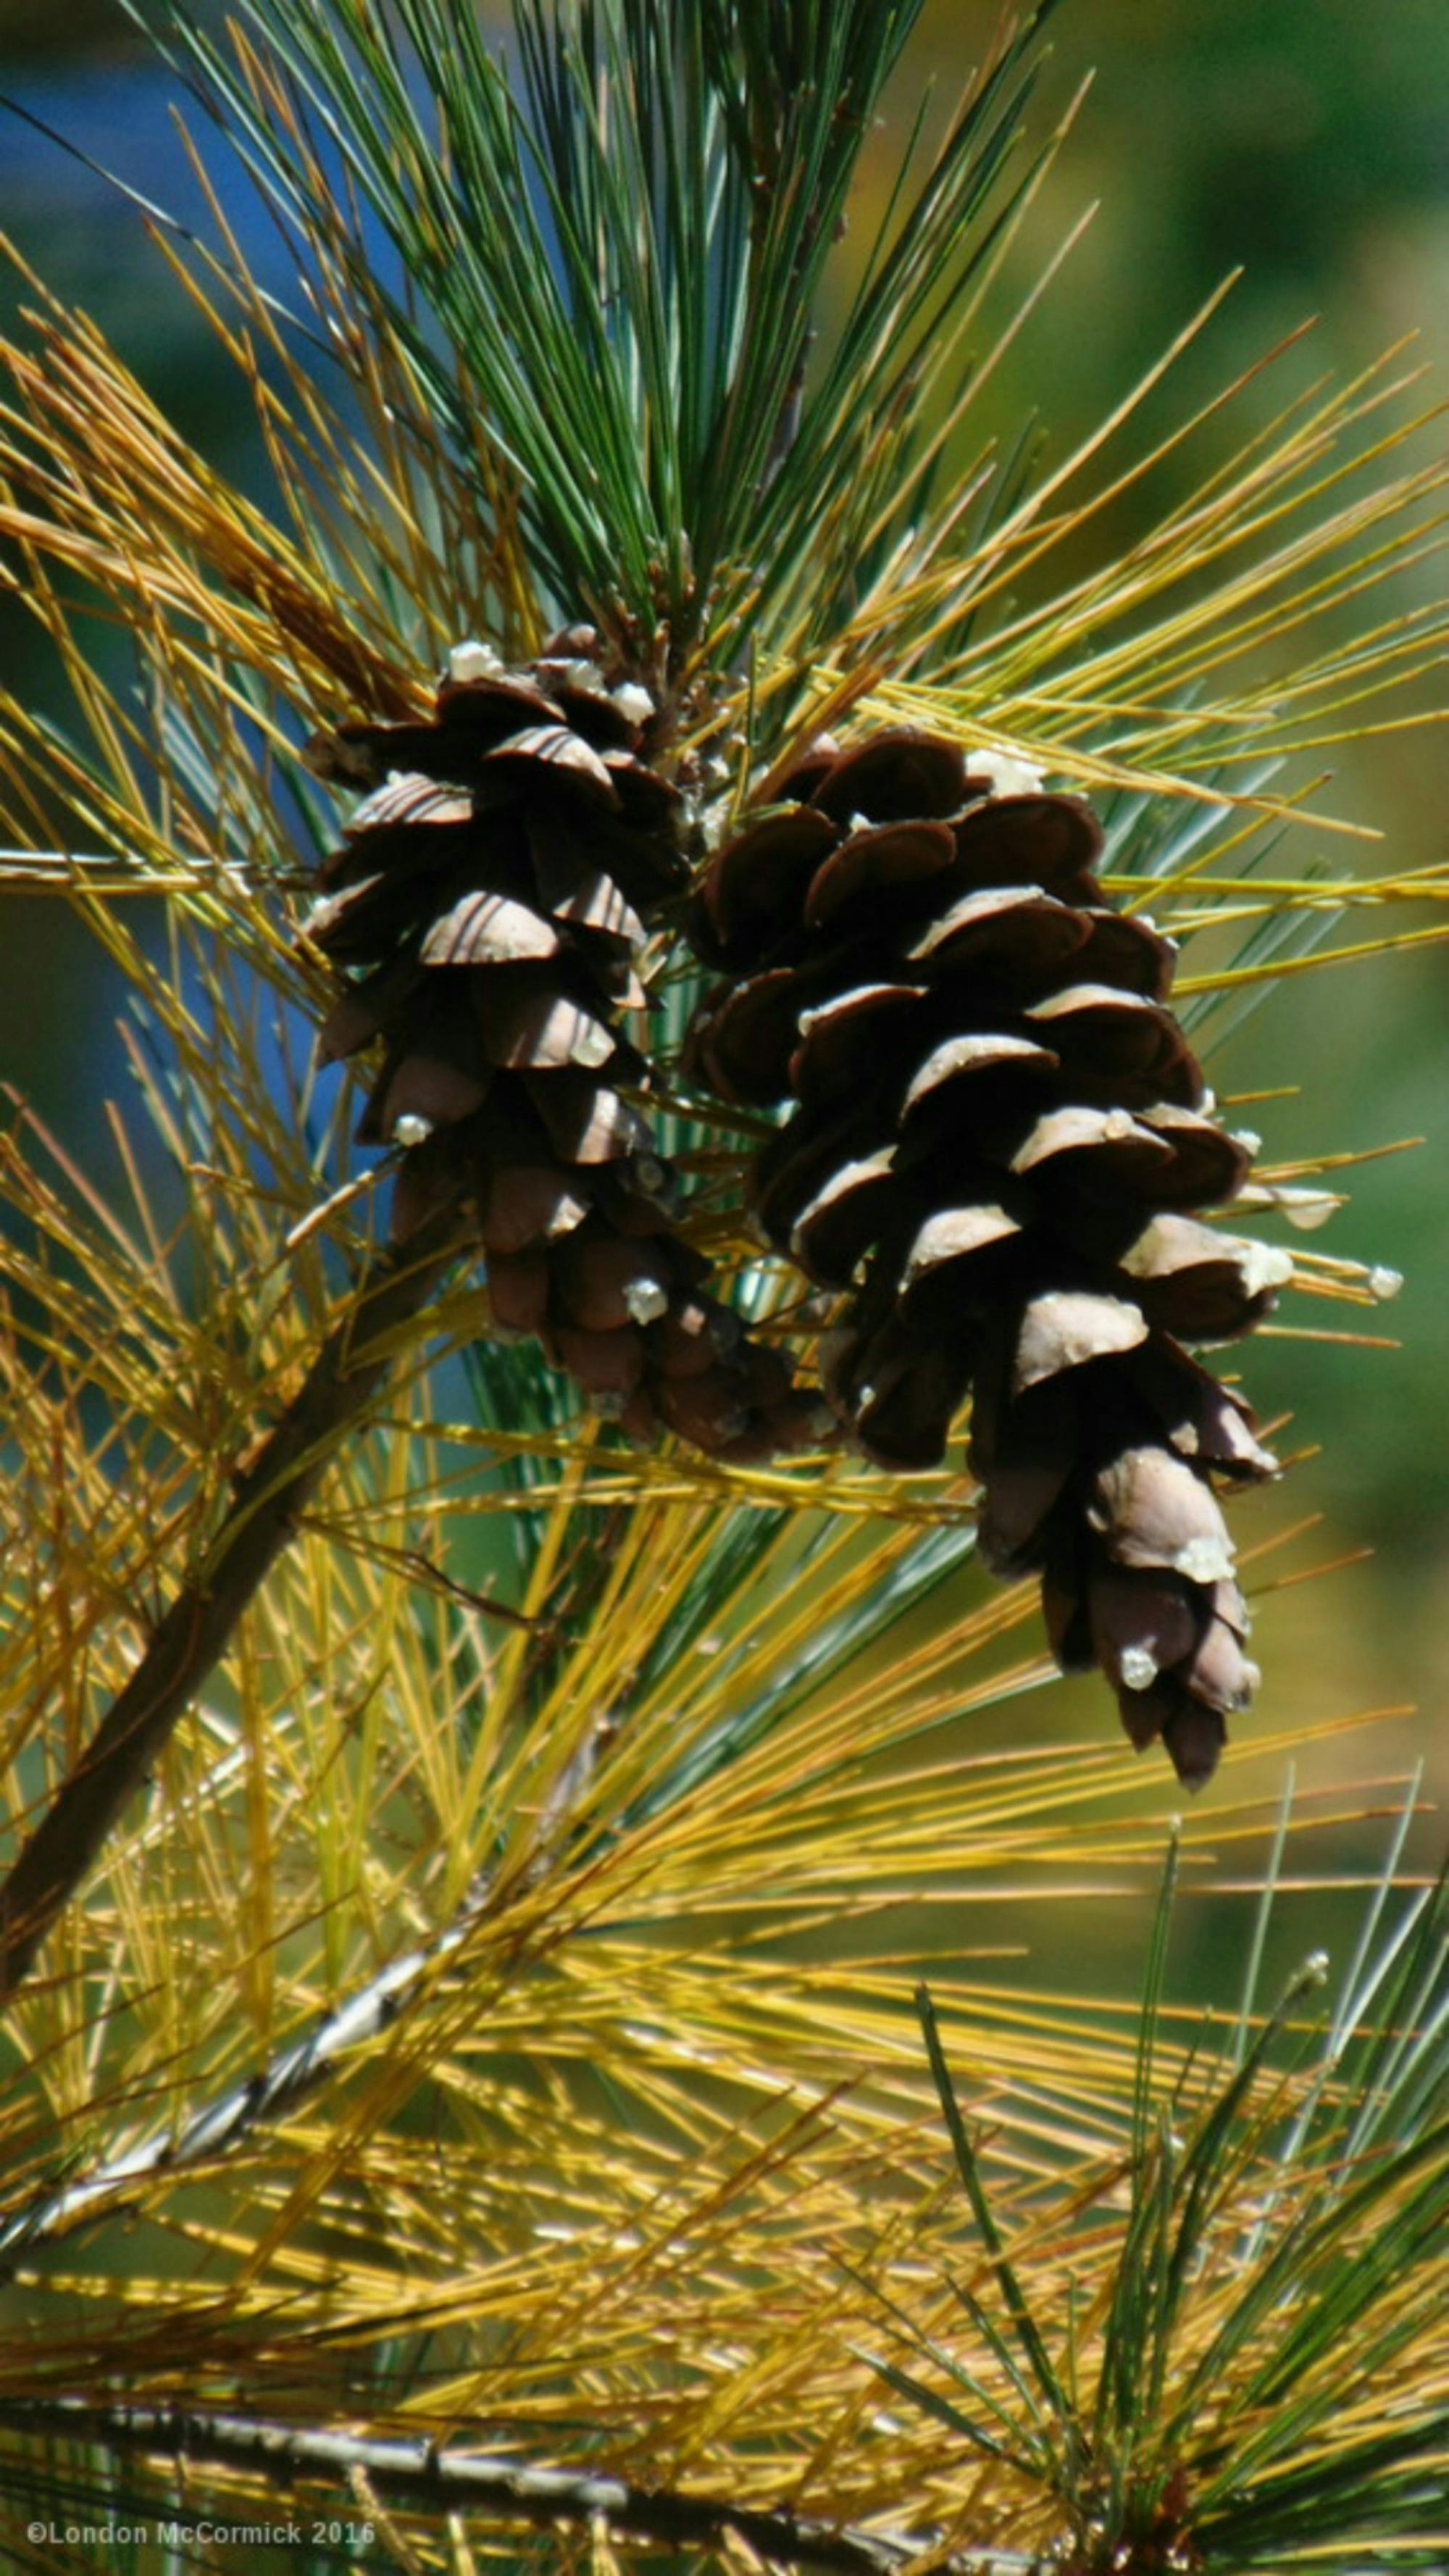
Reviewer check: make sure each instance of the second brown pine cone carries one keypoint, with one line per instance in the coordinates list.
(998, 1143)
(491, 895)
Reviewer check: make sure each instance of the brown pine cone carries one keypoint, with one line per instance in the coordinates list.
(491, 893)
(998, 1116)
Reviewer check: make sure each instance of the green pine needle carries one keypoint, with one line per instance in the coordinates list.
(500, 2019)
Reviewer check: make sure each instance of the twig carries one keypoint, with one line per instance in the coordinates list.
(419, 2476)
(198, 1627)
(224, 2123)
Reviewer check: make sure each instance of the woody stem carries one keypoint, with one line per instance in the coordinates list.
(198, 1627)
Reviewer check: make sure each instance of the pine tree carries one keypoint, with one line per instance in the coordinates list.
(658, 1013)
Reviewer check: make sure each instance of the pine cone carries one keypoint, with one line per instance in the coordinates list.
(997, 1114)
(492, 892)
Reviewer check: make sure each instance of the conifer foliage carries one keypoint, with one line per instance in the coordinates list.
(672, 895)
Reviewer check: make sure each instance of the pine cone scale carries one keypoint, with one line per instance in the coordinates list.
(993, 1109)
(496, 879)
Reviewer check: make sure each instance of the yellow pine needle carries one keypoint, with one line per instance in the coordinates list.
(1232, 978)
(545, 1746)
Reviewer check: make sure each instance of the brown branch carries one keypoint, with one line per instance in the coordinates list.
(416, 2475)
(197, 1629)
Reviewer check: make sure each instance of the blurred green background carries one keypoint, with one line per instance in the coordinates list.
(1308, 144)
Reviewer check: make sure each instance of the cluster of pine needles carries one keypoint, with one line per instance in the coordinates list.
(485, 2096)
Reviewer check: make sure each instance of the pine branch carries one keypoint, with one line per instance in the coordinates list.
(418, 2476)
(291, 2076)
(225, 2123)
(197, 1629)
